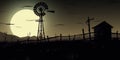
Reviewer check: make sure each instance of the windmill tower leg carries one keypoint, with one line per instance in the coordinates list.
(38, 31)
(41, 32)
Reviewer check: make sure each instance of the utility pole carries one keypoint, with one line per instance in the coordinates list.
(89, 30)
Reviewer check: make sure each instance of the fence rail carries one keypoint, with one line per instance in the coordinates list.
(85, 36)
(80, 37)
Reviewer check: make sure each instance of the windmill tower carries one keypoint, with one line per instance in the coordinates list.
(39, 10)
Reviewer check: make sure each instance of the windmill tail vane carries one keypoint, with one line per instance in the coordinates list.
(51, 11)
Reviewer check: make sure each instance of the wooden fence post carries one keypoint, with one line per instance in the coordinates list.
(48, 38)
(60, 36)
(117, 36)
(5, 37)
(69, 37)
(28, 37)
(83, 34)
(74, 37)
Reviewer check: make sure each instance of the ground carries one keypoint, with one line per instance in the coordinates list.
(57, 50)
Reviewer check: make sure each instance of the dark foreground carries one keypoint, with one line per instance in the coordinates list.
(57, 50)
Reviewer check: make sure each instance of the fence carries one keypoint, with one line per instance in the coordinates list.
(73, 37)
(81, 37)
(85, 36)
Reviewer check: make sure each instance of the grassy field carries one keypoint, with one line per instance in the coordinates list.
(55, 50)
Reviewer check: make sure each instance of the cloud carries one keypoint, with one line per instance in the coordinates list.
(28, 6)
(60, 24)
(6, 23)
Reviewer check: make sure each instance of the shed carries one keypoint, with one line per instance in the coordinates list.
(103, 31)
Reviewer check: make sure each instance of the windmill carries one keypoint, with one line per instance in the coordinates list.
(39, 9)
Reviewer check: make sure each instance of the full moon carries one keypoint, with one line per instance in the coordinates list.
(25, 24)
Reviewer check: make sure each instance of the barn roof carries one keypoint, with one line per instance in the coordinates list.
(103, 24)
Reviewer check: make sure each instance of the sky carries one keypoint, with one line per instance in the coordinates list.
(69, 16)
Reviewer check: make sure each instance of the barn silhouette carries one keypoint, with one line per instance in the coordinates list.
(103, 31)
